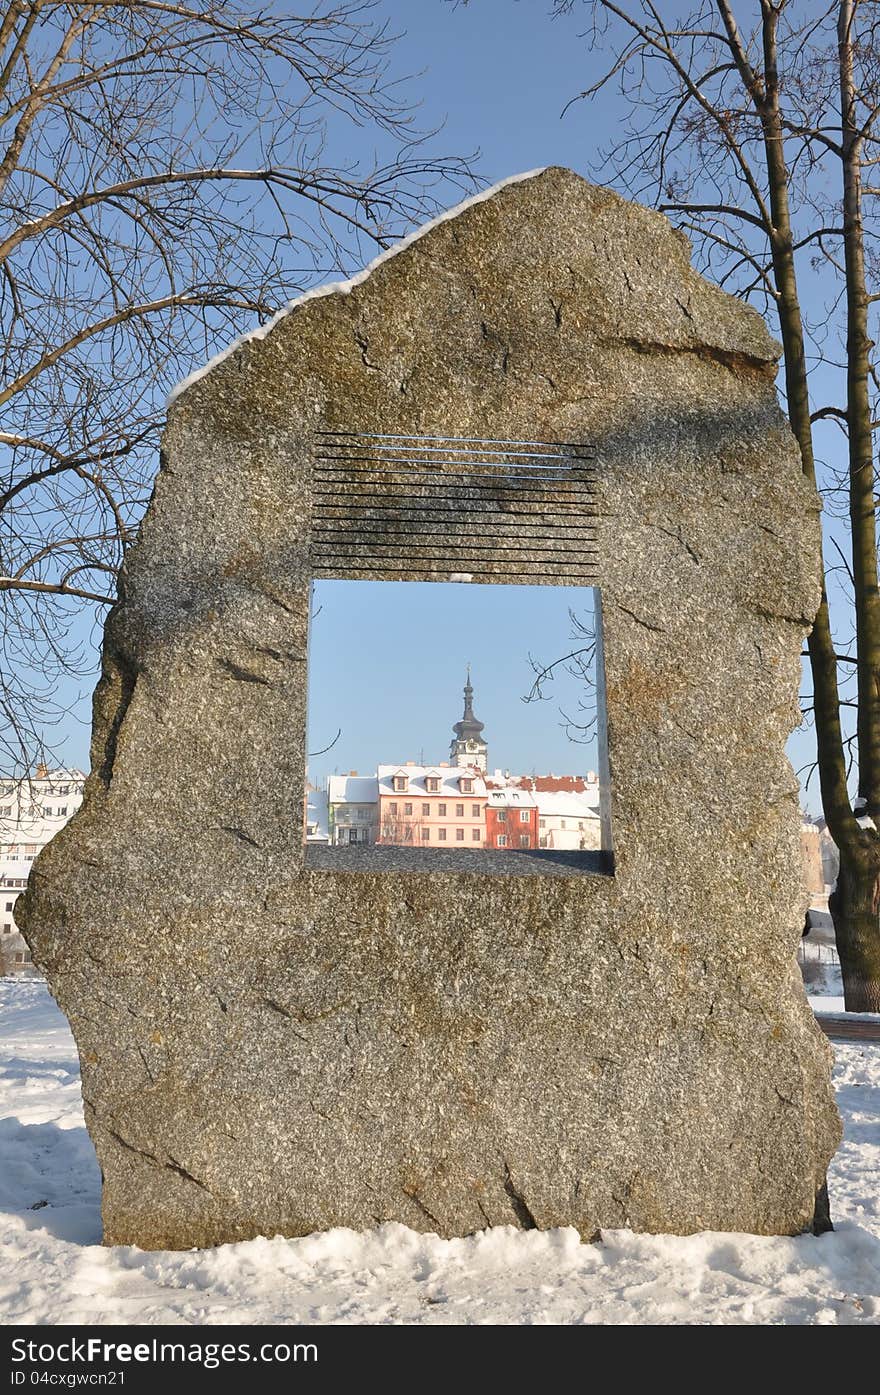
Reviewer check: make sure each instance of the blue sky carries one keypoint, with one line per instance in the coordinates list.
(387, 665)
(496, 74)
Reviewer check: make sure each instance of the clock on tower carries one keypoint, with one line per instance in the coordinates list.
(468, 746)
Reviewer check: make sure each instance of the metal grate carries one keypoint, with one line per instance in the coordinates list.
(453, 506)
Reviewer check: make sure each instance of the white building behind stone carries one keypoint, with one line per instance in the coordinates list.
(353, 812)
(32, 810)
(569, 819)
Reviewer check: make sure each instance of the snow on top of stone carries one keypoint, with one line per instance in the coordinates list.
(344, 287)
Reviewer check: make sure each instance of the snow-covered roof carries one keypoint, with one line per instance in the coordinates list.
(353, 789)
(448, 775)
(546, 784)
(60, 775)
(566, 804)
(345, 287)
(511, 799)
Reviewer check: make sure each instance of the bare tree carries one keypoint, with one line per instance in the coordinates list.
(754, 127)
(166, 179)
(581, 724)
(401, 829)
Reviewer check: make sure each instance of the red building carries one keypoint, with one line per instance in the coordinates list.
(511, 819)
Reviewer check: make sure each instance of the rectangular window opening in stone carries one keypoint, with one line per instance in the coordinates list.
(456, 727)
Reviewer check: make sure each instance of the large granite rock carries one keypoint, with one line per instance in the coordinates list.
(268, 1047)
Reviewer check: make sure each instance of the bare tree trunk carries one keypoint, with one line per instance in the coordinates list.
(729, 147)
(854, 907)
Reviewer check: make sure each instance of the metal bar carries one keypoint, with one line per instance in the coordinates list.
(480, 560)
(444, 465)
(500, 512)
(562, 518)
(377, 549)
(357, 471)
(451, 518)
(457, 491)
(394, 465)
(436, 479)
(334, 564)
(559, 578)
(500, 441)
(572, 532)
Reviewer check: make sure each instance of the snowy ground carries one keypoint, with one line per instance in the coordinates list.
(822, 977)
(53, 1270)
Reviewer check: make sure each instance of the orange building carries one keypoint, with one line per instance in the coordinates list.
(433, 806)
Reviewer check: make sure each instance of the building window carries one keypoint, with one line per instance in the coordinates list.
(475, 811)
(502, 816)
(9, 905)
(524, 840)
(475, 835)
(441, 810)
(426, 809)
(407, 809)
(542, 823)
(407, 833)
(441, 834)
(562, 823)
(459, 835)
(392, 808)
(466, 785)
(7, 928)
(459, 811)
(432, 784)
(400, 783)
(63, 809)
(502, 840)
(523, 815)
(426, 833)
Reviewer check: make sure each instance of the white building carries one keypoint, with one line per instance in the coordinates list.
(32, 810)
(568, 807)
(317, 816)
(568, 819)
(353, 812)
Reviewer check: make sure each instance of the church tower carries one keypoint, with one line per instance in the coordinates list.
(468, 747)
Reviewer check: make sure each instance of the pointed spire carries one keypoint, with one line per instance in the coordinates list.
(469, 726)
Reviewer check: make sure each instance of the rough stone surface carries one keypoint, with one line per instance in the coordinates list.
(273, 1048)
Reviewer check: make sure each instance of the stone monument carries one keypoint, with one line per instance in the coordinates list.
(271, 1044)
